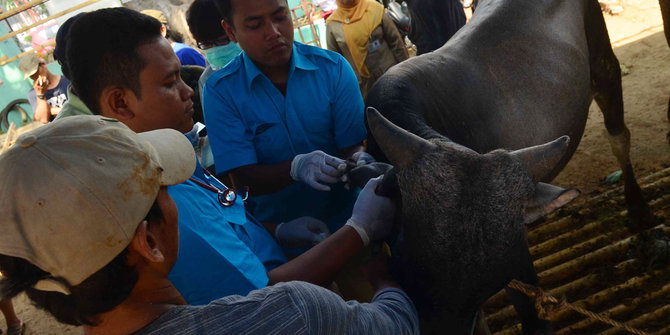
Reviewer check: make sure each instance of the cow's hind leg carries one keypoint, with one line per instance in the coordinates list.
(665, 13)
(606, 85)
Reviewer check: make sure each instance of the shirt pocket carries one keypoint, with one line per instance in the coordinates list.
(270, 143)
(317, 121)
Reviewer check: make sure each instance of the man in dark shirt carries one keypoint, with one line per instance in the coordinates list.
(49, 92)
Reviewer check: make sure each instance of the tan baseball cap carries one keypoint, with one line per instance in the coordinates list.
(156, 14)
(29, 65)
(75, 190)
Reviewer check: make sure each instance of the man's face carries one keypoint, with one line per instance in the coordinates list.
(165, 99)
(264, 30)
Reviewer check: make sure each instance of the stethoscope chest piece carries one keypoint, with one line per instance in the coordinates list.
(227, 197)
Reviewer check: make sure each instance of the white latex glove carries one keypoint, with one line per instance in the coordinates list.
(302, 232)
(317, 167)
(362, 158)
(373, 214)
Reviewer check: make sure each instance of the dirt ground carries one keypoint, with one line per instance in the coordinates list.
(637, 35)
(639, 43)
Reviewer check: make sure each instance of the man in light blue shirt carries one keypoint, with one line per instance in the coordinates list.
(283, 112)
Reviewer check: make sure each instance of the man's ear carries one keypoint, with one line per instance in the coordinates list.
(145, 244)
(229, 30)
(114, 103)
(163, 30)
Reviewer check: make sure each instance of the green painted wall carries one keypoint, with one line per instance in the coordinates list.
(14, 86)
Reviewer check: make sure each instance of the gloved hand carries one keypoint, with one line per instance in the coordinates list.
(362, 158)
(373, 214)
(302, 232)
(317, 167)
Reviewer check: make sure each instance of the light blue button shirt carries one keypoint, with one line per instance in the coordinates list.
(250, 121)
(222, 250)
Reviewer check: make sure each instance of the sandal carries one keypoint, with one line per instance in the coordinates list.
(17, 330)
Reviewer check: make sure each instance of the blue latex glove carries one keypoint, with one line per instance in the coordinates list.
(316, 168)
(373, 214)
(302, 232)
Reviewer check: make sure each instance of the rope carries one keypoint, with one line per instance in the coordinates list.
(547, 306)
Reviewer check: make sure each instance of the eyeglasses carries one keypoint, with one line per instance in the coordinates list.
(221, 40)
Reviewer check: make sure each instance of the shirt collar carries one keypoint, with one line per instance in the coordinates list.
(298, 60)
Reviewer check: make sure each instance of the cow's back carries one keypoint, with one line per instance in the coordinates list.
(517, 75)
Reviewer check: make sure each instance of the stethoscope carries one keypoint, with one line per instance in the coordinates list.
(225, 197)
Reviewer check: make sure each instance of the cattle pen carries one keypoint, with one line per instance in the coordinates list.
(586, 254)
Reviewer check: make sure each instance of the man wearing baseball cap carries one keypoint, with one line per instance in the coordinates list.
(49, 92)
(97, 235)
(92, 242)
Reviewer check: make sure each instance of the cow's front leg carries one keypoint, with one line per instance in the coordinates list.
(525, 306)
(606, 85)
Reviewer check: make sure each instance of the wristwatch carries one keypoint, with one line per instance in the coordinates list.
(41, 96)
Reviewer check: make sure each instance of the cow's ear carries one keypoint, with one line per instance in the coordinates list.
(547, 198)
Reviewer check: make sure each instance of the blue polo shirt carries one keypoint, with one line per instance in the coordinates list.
(222, 250)
(250, 121)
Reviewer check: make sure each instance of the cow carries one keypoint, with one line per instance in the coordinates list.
(520, 73)
(460, 234)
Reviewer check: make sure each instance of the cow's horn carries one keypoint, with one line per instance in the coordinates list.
(540, 160)
(399, 145)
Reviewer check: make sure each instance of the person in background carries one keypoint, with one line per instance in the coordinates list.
(49, 92)
(204, 22)
(361, 31)
(186, 54)
(14, 325)
(74, 105)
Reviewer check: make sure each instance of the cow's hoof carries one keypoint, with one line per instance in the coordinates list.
(651, 249)
(640, 218)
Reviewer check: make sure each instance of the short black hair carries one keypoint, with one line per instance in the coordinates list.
(204, 21)
(99, 293)
(225, 8)
(102, 51)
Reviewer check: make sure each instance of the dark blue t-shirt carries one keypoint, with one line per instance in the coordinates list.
(56, 97)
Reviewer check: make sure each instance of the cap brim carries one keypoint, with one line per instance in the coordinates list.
(27, 75)
(175, 152)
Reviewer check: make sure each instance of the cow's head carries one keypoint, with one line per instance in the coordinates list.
(463, 212)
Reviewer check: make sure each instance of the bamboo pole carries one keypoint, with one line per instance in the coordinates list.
(642, 320)
(617, 310)
(21, 8)
(574, 251)
(52, 17)
(570, 238)
(23, 54)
